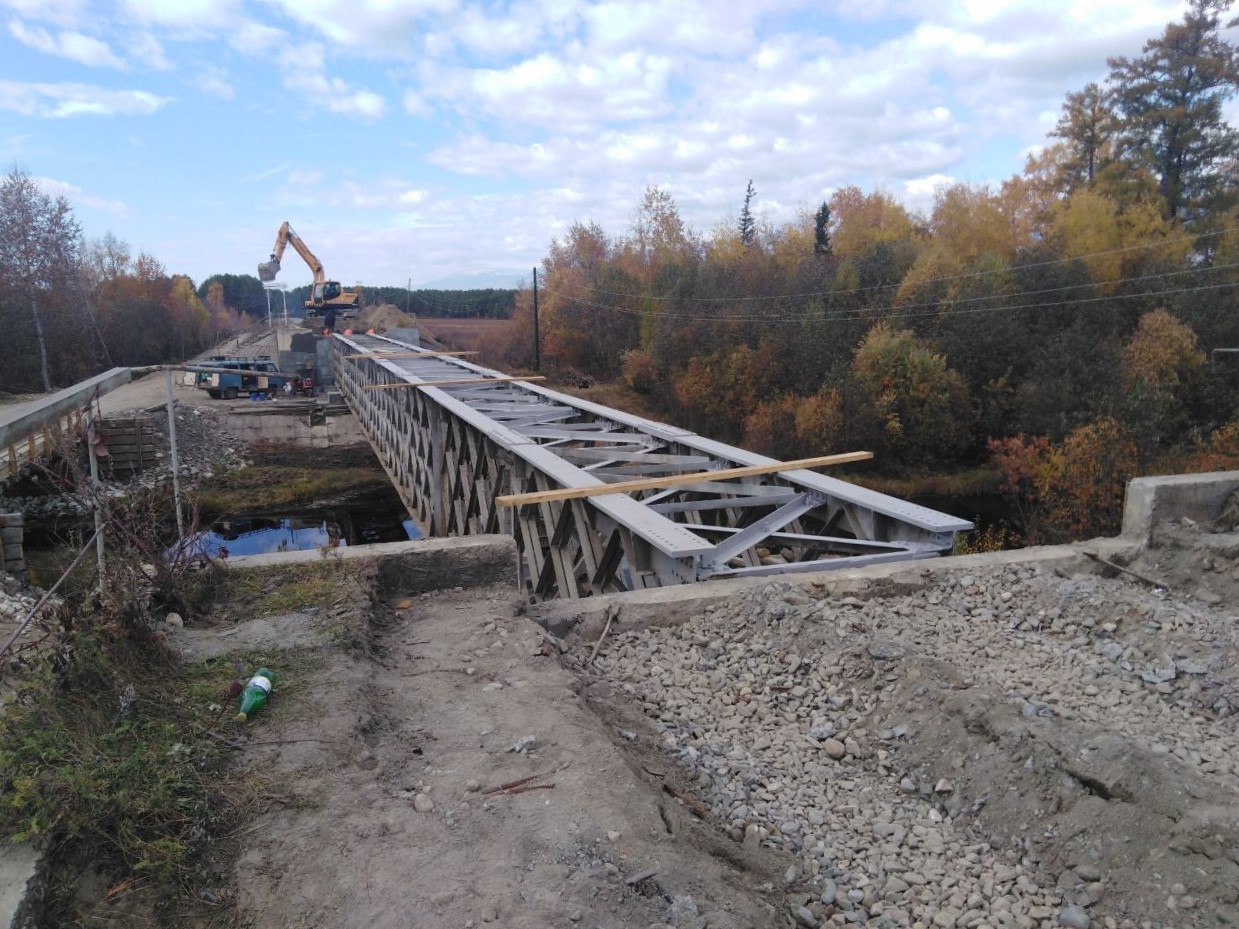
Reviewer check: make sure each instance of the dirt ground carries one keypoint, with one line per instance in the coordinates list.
(945, 757)
(394, 750)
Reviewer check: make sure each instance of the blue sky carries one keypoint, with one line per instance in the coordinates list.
(450, 142)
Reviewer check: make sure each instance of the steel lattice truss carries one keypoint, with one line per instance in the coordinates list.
(452, 450)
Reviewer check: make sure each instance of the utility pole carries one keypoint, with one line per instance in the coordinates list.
(537, 343)
(408, 298)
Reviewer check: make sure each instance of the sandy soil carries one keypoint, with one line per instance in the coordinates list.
(451, 697)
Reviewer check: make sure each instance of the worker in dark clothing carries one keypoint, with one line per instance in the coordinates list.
(329, 321)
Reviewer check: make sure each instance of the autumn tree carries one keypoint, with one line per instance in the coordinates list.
(1161, 365)
(659, 235)
(1170, 101)
(1086, 127)
(863, 221)
(923, 405)
(39, 256)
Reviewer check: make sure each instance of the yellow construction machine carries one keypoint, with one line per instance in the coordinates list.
(324, 294)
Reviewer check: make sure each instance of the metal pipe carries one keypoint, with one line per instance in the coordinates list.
(97, 488)
(176, 458)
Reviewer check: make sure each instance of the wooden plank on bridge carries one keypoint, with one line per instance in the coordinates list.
(408, 355)
(452, 383)
(675, 480)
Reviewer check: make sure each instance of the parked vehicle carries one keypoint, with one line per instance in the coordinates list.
(237, 376)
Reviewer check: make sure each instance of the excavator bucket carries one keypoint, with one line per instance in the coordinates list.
(267, 270)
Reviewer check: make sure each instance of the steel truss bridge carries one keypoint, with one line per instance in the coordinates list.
(452, 449)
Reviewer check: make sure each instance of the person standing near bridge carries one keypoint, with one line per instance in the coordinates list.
(329, 321)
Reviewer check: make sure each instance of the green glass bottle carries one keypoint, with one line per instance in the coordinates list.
(254, 696)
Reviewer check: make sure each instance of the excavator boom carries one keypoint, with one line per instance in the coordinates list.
(325, 294)
(269, 269)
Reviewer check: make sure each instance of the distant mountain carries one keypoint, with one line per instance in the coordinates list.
(478, 280)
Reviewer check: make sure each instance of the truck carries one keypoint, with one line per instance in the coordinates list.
(235, 376)
(324, 294)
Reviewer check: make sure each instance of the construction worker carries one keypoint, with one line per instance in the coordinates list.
(329, 321)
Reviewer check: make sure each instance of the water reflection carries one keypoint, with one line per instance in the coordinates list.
(261, 534)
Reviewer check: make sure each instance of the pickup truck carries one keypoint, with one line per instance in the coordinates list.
(229, 383)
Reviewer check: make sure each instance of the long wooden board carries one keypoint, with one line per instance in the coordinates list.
(452, 383)
(408, 354)
(677, 480)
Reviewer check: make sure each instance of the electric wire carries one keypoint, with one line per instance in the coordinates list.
(827, 312)
(894, 312)
(935, 280)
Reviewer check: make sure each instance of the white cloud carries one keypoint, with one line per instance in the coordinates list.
(303, 178)
(182, 13)
(67, 44)
(59, 12)
(550, 90)
(412, 197)
(255, 38)
(68, 99)
(303, 68)
(78, 197)
(147, 50)
(371, 25)
(919, 192)
(214, 81)
(415, 104)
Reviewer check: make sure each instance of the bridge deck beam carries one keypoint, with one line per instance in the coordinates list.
(451, 450)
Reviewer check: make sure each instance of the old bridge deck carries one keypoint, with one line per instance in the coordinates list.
(451, 450)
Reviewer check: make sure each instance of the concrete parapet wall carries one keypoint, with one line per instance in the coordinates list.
(1151, 500)
(413, 567)
(294, 429)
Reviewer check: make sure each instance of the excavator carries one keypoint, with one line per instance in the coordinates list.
(324, 294)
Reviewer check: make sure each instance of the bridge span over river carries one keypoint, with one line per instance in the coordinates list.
(455, 437)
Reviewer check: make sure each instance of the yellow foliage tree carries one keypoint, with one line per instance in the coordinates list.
(862, 221)
(924, 405)
(1162, 353)
(1116, 242)
(968, 222)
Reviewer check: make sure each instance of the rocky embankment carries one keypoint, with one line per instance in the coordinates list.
(1002, 748)
(203, 446)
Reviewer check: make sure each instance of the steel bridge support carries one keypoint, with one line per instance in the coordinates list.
(451, 450)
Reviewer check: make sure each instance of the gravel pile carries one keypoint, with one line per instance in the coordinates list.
(804, 725)
(15, 599)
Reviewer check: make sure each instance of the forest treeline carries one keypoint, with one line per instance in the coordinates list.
(245, 293)
(72, 308)
(1060, 325)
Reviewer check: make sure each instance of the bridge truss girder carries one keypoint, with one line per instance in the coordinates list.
(452, 450)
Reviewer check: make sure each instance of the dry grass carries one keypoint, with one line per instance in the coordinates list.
(269, 486)
(462, 334)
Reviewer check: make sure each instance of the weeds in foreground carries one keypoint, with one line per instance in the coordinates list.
(319, 585)
(107, 761)
(994, 538)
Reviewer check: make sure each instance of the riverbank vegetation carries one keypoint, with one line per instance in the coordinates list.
(1061, 326)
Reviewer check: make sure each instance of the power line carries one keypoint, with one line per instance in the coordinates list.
(893, 312)
(829, 313)
(933, 280)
